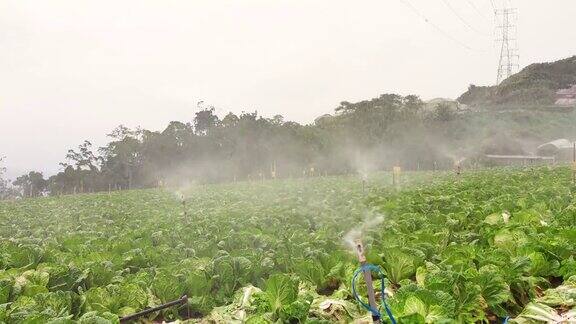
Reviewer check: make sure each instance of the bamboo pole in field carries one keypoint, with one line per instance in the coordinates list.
(396, 175)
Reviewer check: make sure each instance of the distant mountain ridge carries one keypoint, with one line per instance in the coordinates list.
(535, 85)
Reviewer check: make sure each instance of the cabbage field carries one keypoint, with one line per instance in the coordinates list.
(481, 247)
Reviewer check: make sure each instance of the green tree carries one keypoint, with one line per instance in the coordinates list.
(205, 120)
(84, 157)
(444, 112)
(122, 158)
(5, 190)
(32, 184)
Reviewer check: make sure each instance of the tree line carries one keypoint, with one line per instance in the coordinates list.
(362, 136)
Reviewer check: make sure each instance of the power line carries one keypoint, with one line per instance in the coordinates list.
(462, 19)
(476, 9)
(438, 29)
(493, 6)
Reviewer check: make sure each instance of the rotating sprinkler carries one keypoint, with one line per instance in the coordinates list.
(458, 166)
(366, 269)
(184, 208)
(183, 202)
(363, 178)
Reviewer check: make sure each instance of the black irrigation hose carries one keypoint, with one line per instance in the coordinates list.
(145, 312)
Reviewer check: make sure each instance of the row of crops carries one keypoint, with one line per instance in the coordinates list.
(476, 248)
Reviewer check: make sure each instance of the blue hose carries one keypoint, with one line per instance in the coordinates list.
(375, 312)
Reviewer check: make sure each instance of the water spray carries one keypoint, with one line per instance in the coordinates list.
(366, 269)
(183, 202)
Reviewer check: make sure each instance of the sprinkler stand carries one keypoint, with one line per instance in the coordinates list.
(574, 164)
(368, 279)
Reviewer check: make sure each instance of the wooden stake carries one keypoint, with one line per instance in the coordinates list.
(273, 170)
(184, 207)
(396, 175)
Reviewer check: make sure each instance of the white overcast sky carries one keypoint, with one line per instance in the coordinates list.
(74, 69)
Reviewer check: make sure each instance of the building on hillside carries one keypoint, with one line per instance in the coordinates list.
(566, 97)
(323, 120)
(524, 160)
(455, 106)
(561, 149)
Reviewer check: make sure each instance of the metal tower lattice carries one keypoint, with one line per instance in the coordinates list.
(506, 26)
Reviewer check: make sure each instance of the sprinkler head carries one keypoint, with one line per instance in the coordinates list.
(360, 250)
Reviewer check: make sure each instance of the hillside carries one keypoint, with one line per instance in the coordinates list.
(535, 85)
